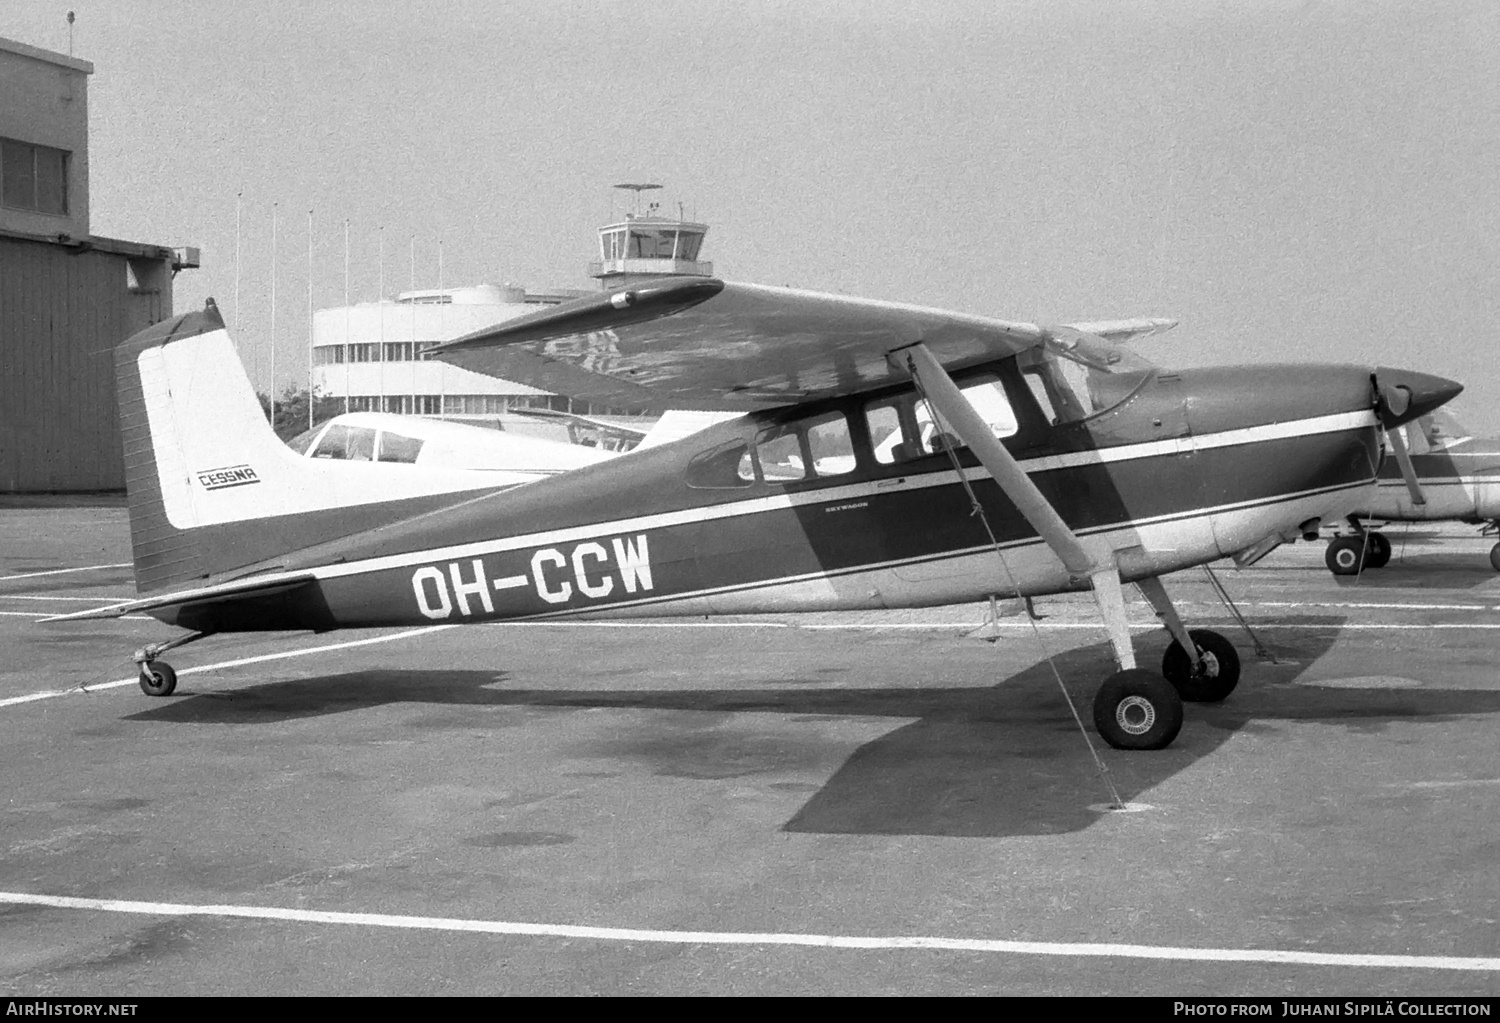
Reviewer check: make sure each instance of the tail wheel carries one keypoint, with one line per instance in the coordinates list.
(1495, 557)
(1345, 554)
(158, 678)
(1378, 553)
(1218, 668)
(1136, 709)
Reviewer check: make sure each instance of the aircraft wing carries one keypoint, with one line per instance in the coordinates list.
(703, 343)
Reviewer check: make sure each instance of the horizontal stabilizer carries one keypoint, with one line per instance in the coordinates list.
(263, 586)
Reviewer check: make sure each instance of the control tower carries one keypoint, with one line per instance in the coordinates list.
(647, 245)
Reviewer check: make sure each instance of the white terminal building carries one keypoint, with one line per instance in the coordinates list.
(370, 353)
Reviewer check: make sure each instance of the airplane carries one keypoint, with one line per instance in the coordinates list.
(888, 455)
(1454, 476)
(393, 439)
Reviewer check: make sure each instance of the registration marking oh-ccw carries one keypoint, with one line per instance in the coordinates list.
(590, 568)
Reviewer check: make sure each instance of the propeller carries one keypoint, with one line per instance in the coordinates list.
(1393, 406)
(1396, 435)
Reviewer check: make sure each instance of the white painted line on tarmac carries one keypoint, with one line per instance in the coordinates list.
(51, 694)
(1331, 603)
(61, 571)
(1046, 948)
(103, 600)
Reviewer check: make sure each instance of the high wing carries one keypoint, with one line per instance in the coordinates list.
(703, 343)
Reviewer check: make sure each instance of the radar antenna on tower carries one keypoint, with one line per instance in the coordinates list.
(632, 186)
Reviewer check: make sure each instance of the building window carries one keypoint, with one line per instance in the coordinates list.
(33, 177)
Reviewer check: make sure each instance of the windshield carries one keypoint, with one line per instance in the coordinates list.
(1078, 376)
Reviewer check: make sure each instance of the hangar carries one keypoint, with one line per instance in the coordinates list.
(66, 295)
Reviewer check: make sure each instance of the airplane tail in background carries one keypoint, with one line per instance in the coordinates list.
(212, 491)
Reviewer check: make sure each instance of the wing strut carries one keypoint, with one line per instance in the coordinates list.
(948, 401)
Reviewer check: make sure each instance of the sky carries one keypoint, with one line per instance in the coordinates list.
(1310, 180)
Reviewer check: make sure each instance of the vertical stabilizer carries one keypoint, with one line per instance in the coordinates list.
(212, 489)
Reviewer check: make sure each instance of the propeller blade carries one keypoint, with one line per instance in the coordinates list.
(1403, 458)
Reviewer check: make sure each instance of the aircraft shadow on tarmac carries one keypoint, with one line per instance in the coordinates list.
(1425, 570)
(993, 761)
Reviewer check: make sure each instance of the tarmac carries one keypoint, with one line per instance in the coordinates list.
(855, 804)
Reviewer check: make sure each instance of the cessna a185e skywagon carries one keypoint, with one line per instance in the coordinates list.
(1441, 472)
(889, 456)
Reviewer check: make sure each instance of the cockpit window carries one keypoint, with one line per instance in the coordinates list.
(349, 443)
(1075, 378)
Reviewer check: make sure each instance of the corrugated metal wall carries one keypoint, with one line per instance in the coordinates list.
(62, 311)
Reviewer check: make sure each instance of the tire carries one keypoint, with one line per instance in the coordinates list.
(1136, 709)
(1218, 662)
(1495, 557)
(158, 679)
(1344, 555)
(1378, 553)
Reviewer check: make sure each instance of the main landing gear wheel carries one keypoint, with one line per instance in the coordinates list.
(1218, 668)
(1495, 557)
(1345, 554)
(1378, 551)
(158, 678)
(1135, 709)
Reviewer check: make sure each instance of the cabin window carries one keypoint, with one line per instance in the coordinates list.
(830, 445)
(725, 467)
(903, 427)
(820, 446)
(347, 443)
(396, 448)
(779, 452)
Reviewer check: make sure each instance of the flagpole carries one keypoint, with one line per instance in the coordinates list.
(442, 336)
(414, 324)
(380, 299)
(273, 314)
(348, 348)
(310, 391)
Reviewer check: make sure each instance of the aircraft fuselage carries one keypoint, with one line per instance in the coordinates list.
(822, 507)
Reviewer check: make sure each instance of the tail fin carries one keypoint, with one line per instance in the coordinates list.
(213, 491)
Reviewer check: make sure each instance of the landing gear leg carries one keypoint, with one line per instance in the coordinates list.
(1202, 665)
(157, 677)
(1134, 708)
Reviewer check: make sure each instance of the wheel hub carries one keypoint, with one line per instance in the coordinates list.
(1135, 715)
